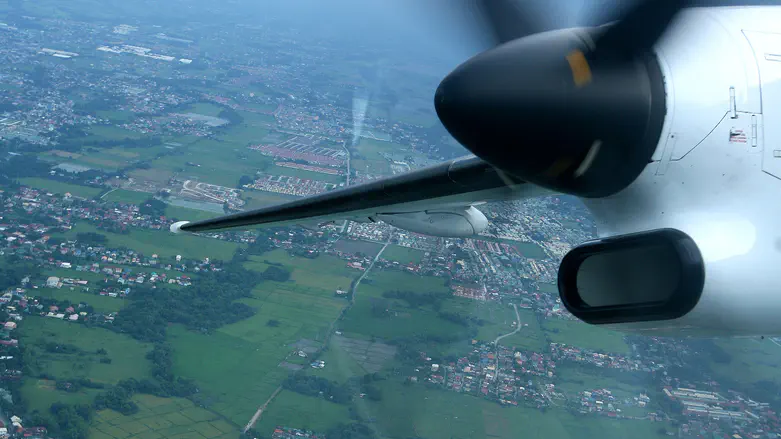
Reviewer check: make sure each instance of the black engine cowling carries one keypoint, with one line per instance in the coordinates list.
(640, 277)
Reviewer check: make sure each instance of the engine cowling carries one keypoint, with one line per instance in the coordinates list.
(451, 223)
(633, 281)
(663, 282)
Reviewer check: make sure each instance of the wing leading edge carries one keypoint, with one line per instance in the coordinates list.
(459, 182)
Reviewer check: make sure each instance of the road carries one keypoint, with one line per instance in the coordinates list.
(365, 272)
(112, 190)
(348, 163)
(257, 414)
(517, 327)
(260, 410)
(344, 225)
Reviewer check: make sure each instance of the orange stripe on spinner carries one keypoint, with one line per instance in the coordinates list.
(581, 72)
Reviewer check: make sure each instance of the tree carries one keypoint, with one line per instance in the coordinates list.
(355, 430)
(152, 207)
(55, 240)
(205, 306)
(231, 116)
(373, 393)
(91, 239)
(278, 274)
(244, 180)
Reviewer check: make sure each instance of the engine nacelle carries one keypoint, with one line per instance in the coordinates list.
(633, 280)
(660, 283)
(451, 223)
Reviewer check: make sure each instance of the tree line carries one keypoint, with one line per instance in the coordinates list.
(204, 306)
(331, 390)
(417, 300)
(72, 421)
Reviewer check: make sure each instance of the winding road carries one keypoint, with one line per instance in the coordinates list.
(517, 328)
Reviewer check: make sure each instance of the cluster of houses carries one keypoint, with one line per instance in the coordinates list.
(603, 401)
(295, 433)
(511, 377)
(559, 351)
(17, 430)
(729, 415)
(494, 372)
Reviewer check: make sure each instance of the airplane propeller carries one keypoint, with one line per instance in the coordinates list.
(576, 111)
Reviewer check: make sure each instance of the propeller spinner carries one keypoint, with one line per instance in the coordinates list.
(579, 111)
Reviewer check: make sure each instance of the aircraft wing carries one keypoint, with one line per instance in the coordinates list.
(455, 183)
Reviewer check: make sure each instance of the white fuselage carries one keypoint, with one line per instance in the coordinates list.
(716, 173)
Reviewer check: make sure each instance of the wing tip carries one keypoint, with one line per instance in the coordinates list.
(176, 227)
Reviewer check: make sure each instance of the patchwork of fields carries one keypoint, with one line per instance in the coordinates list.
(239, 366)
(162, 418)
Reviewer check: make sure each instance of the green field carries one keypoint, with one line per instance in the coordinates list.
(204, 108)
(116, 115)
(93, 278)
(127, 357)
(107, 159)
(340, 365)
(258, 199)
(238, 366)
(530, 337)
(583, 335)
(242, 369)
(326, 273)
(157, 174)
(245, 134)
(414, 411)
(758, 360)
(161, 418)
(77, 295)
(128, 197)
(183, 213)
(356, 246)
(58, 187)
(167, 245)
(222, 162)
(571, 380)
(41, 394)
(306, 412)
(237, 375)
(398, 280)
(529, 249)
(111, 133)
(401, 321)
(403, 255)
(498, 320)
(367, 153)
(252, 130)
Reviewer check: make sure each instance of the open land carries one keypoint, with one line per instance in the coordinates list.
(96, 127)
(166, 245)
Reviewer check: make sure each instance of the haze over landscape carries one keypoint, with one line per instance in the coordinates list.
(118, 118)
